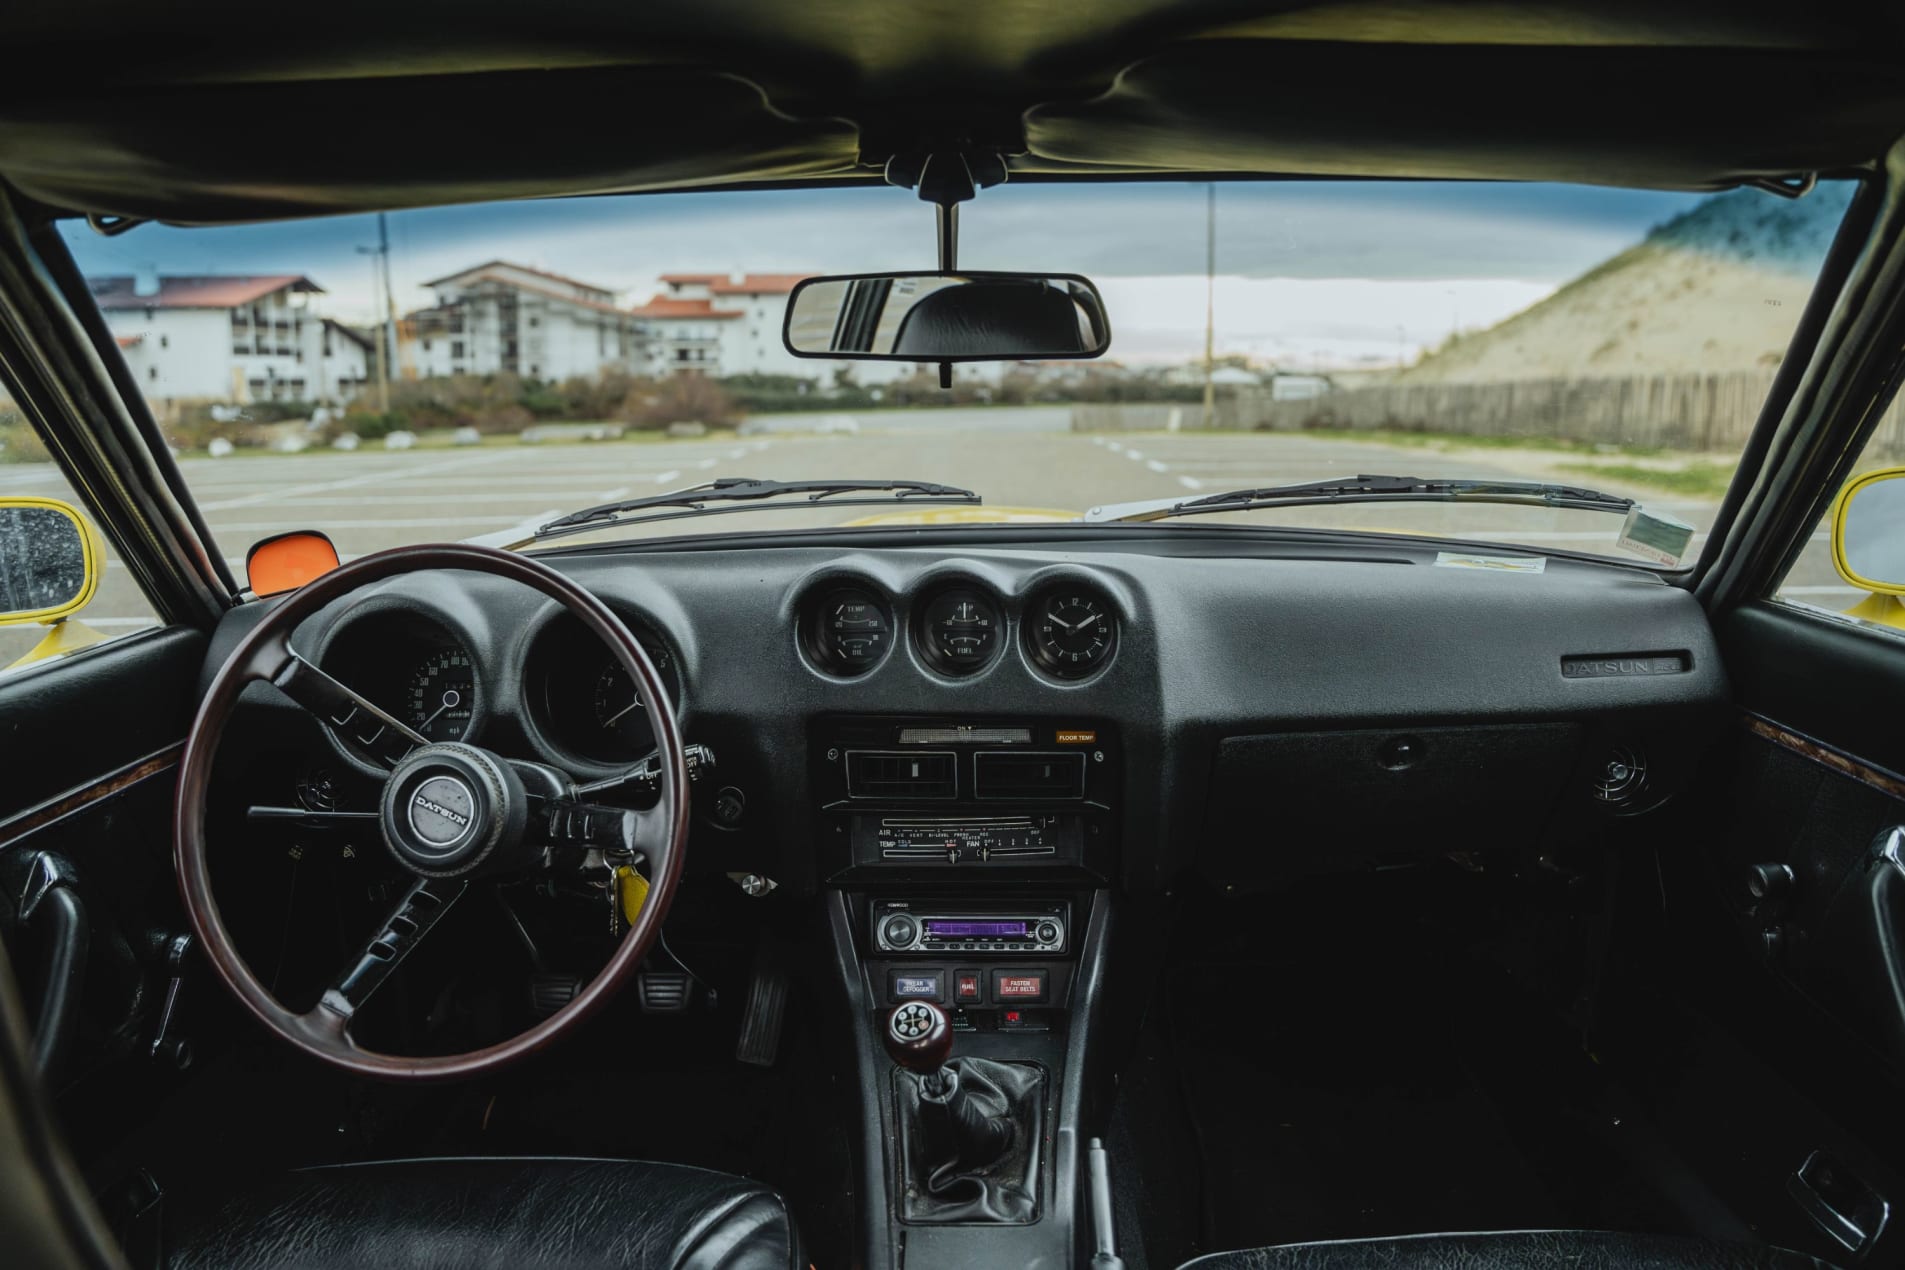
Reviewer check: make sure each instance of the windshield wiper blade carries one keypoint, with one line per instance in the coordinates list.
(752, 494)
(1365, 489)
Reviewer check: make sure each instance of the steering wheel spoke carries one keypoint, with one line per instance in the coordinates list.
(344, 708)
(421, 907)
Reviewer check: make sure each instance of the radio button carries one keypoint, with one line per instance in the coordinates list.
(1018, 987)
(899, 931)
(1048, 932)
(968, 986)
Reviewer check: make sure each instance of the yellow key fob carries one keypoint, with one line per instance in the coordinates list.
(634, 890)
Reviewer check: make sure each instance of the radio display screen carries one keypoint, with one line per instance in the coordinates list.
(946, 928)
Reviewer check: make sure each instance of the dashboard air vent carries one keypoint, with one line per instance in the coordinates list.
(1028, 776)
(902, 775)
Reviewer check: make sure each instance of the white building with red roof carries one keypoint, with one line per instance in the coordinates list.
(499, 316)
(717, 324)
(231, 338)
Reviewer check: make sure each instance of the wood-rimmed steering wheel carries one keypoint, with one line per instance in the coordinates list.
(449, 812)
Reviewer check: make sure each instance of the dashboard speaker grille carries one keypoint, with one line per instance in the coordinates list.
(1621, 779)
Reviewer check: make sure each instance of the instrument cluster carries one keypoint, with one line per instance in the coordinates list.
(958, 627)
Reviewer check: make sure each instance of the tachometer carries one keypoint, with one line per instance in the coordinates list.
(442, 695)
(618, 707)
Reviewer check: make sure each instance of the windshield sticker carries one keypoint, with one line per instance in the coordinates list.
(1656, 536)
(1501, 564)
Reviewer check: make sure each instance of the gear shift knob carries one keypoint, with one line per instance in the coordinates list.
(918, 1037)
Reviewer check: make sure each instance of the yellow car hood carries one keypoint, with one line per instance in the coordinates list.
(971, 516)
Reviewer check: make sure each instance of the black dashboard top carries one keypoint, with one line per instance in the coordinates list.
(1206, 648)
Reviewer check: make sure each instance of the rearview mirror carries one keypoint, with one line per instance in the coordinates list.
(49, 560)
(946, 317)
(1868, 534)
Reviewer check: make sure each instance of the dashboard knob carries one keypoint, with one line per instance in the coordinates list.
(1047, 932)
(899, 931)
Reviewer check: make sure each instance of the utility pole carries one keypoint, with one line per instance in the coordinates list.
(386, 303)
(1210, 301)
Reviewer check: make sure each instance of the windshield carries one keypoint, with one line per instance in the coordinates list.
(477, 372)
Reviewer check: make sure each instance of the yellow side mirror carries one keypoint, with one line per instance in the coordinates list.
(51, 559)
(1868, 543)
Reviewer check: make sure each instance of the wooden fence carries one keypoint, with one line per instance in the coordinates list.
(1672, 412)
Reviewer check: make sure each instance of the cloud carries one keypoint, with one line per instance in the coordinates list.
(1485, 246)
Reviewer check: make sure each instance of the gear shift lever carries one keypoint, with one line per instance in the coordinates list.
(919, 1039)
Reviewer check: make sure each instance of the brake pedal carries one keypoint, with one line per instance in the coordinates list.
(764, 1016)
(663, 991)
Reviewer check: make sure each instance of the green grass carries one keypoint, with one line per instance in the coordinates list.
(1697, 479)
(1466, 441)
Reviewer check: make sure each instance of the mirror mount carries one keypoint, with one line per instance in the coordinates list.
(947, 178)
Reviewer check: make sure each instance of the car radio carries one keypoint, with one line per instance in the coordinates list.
(901, 926)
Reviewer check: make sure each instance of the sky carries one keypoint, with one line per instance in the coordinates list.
(1310, 274)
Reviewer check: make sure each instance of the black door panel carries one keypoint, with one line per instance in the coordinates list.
(87, 900)
(1801, 949)
(1834, 681)
(68, 724)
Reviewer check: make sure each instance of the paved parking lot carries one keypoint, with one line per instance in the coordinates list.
(372, 499)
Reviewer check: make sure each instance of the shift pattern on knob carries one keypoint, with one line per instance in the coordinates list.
(912, 1021)
(919, 1037)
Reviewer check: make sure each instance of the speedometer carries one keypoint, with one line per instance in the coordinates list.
(442, 695)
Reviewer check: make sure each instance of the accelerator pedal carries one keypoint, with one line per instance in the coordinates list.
(764, 1016)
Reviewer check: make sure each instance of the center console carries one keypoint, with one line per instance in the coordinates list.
(968, 862)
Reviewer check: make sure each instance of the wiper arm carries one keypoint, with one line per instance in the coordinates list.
(751, 494)
(1365, 489)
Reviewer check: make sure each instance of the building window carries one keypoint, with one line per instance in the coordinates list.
(165, 341)
(534, 369)
(535, 321)
(152, 372)
(426, 346)
(456, 348)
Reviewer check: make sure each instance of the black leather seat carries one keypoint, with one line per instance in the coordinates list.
(1513, 1250)
(497, 1214)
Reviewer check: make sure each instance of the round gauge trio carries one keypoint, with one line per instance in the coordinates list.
(441, 698)
(1069, 630)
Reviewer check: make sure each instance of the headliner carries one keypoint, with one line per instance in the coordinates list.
(205, 114)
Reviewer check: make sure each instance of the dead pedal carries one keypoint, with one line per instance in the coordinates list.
(764, 1015)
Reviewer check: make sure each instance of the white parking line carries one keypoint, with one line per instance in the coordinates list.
(1190, 482)
(666, 477)
(1156, 466)
(353, 482)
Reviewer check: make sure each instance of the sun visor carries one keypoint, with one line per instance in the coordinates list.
(1674, 118)
(236, 152)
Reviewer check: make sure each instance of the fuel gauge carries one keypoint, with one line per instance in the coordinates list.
(959, 630)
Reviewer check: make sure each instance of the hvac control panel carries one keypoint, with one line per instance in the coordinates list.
(933, 796)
